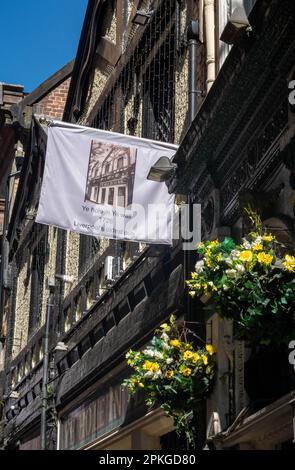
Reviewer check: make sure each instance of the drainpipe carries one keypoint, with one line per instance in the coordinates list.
(49, 313)
(209, 14)
(201, 20)
(193, 38)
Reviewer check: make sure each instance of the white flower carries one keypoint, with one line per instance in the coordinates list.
(240, 268)
(231, 273)
(229, 261)
(258, 241)
(157, 375)
(199, 267)
(148, 374)
(158, 355)
(235, 253)
(225, 287)
(246, 245)
(148, 352)
(165, 338)
(169, 360)
(166, 346)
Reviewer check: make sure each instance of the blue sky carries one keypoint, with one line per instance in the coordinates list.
(37, 38)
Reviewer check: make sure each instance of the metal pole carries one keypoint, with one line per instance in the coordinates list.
(49, 309)
(193, 38)
(193, 93)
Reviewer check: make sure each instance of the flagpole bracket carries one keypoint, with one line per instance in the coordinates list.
(44, 121)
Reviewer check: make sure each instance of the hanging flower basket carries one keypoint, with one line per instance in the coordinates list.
(251, 283)
(174, 374)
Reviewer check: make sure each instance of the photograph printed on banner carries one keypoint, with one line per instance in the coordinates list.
(111, 172)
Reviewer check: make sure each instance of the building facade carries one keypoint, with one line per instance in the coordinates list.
(155, 69)
(16, 155)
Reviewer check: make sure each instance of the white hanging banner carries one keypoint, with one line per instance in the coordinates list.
(95, 183)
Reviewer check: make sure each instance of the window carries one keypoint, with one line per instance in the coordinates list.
(137, 295)
(73, 356)
(27, 363)
(111, 196)
(35, 356)
(158, 100)
(62, 366)
(84, 346)
(97, 334)
(40, 349)
(14, 378)
(68, 318)
(37, 280)
(103, 196)
(107, 168)
(20, 371)
(101, 282)
(121, 196)
(109, 322)
(90, 294)
(89, 247)
(120, 162)
(78, 307)
(122, 310)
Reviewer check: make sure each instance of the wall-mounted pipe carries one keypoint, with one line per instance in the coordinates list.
(193, 92)
(209, 14)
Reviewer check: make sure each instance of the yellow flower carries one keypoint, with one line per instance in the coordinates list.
(246, 255)
(155, 367)
(129, 362)
(187, 355)
(169, 374)
(289, 263)
(268, 238)
(204, 359)
(213, 243)
(210, 348)
(140, 384)
(175, 343)
(194, 275)
(129, 353)
(186, 371)
(196, 357)
(264, 258)
(257, 247)
(201, 245)
(219, 257)
(165, 327)
(147, 365)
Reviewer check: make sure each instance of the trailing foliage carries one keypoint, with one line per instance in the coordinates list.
(251, 283)
(173, 374)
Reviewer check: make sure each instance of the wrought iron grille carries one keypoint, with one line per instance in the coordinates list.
(37, 267)
(89, 248)
(147, 78)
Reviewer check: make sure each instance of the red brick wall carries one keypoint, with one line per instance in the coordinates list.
(53, 104)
